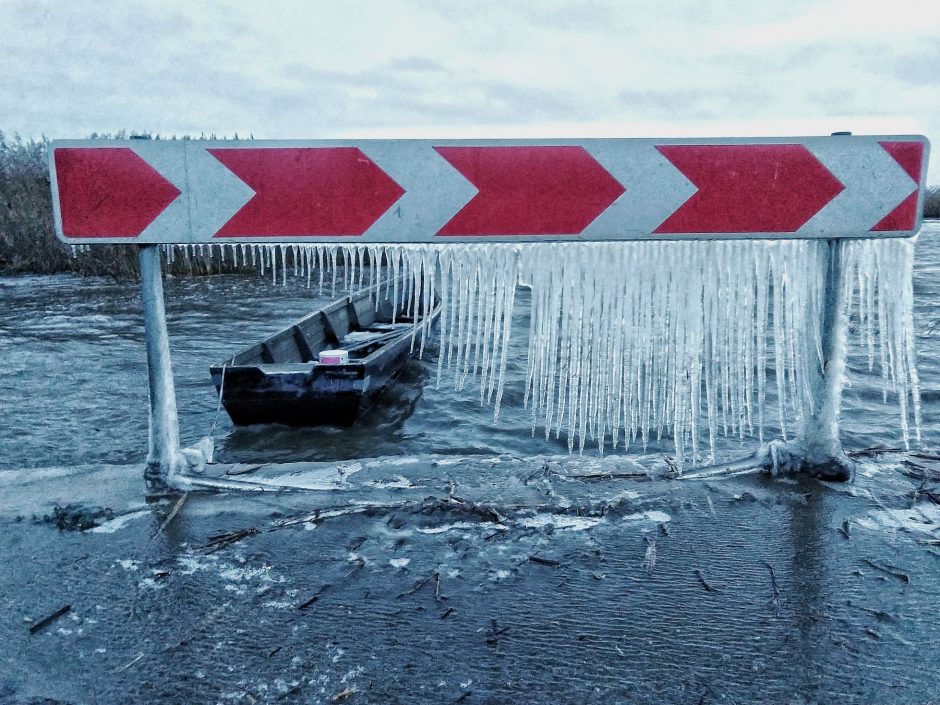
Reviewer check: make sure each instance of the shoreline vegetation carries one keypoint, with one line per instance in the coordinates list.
(28, 244)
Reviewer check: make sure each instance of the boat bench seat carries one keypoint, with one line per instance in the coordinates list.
(363, 338)
(364, 311)
(280, 348)
(337, 323)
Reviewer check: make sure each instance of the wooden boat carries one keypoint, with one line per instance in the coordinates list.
(280, 380)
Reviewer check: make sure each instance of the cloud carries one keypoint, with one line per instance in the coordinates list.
(293, 68)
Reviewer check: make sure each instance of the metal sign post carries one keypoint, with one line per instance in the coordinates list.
(145, 193)
(820, 434)
(165, 460)
(818, 446)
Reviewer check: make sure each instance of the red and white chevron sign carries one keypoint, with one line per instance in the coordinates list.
(142, 191)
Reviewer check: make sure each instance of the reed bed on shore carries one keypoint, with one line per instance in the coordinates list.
(28, 244)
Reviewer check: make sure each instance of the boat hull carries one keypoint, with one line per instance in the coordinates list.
(308, 395)
(282, 381)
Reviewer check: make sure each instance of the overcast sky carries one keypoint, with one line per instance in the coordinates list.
(512, 68)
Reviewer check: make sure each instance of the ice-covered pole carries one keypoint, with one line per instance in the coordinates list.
(817, 449)
(165, 460)
(820, 435)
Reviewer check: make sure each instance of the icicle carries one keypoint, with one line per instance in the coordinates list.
(332, 253)
(639, 341)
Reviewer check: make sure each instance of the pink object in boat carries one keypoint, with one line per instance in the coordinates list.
(334, 357)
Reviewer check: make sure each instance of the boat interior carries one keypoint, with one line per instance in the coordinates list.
(357, 324)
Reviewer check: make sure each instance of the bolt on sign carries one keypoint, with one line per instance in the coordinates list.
(448, 191)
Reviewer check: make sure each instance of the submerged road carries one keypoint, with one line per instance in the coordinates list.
(430, 580)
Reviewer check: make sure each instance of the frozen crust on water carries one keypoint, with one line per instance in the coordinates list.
(649, 516)
(119, 522)
(557, 521)
(636, 609)
(921, 521)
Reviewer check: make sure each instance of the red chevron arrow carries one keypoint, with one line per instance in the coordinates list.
(108, 192)
(910, 156)
(530, 190)
(761, 188)
(307, 191)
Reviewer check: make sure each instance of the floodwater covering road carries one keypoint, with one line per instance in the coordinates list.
(514, 573)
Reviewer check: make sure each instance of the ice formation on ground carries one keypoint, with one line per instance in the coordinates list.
(630, 341)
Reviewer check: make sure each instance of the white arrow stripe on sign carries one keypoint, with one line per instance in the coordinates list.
(434, 191)
(655, 189)
(875, 184)
(215, 194)
(210, 194)
(173, 222)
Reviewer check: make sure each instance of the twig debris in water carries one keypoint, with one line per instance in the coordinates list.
(701, 579)
(920, 472)
(310, 601)
(611, 476)
(931, 495)
(880, 615)
(872, 451)
(49, 619)
(344, 695)
(172, 515)
(496, 533)
(421, 583)
(775, 603)
(893, 572)
(544, 561)
(130, 663)
(218, 541)
(494, 632)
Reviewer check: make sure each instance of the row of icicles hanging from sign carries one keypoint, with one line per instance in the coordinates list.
(630, 341)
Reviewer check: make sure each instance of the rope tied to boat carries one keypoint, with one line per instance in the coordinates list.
(218, 408)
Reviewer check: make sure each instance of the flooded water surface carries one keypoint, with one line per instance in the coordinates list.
(512, 573)
(74, 379)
